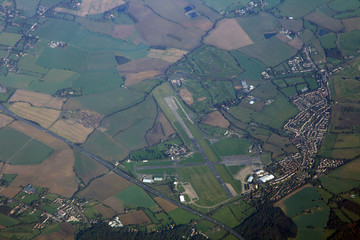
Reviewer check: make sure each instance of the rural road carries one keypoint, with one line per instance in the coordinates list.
(121, 173)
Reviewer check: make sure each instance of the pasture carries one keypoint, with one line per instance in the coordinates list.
(105, 146)
(134, 196)
(33, 152)
(234, 146)
(204, 183)
(181, 216)
(29, 7)
(106, 102)
(87, 168)
(298, 9)
(338, 185)
(14, 80)
(348, 43)
(9, 39)
(11, 140)
(343, 6)
(256, 26)
(228, 35)
(226, 216)
(271, 51)
(307, 208)
(252, 67)
(104, 187)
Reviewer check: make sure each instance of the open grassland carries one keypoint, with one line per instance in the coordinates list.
(14, 80)
(105, 146)
(323, 20)
(181, 216)
(297, 9)
(226, 216)
(129, 117)
(256, 26)
(71, 130)
(271, 51)
(225, 174)
(342, 6)
(134, 137)
(28, 64)
(162, 31)
(349, 43)
(106, 102)
(7, 221)
(12, 141)
(9, 39)
(29, 7)
(252, 67)
(33, 152)
(215, 119)
(171, 55)
(307, 208)
(134, 196)
(43, 116)
(37, 99)
(5, 120)
(338, 185)
(38, 135)
(54, 81)
(204, 183)
(229, 147)
(56, 173)
(348, 171)
(87, 168)
(228, 35)
(104, 187)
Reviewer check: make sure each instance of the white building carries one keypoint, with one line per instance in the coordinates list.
(147, 180)
(182, 198)
(250, 179)
(267, 178)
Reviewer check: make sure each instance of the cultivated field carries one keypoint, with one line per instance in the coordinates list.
(325, 21)
(115, 204)
(92, 7)
(351, 24)
(37, 99)
(44, 116)
(138, 217)
(104, 187)
(134, 196)
(38, 134)
(5, 120)
(186, 96)
(66, 232)
(215, 119)
(165, 205)
(133, 78)
(56, 173)
(171, 55)
(71, 130)
(228, 35)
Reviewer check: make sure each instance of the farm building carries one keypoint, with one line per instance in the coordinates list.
(250, 179)
(182, 198)
(147, 180)
(158, 179)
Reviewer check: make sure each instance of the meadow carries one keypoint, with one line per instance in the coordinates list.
(12, 141)
(204, 183)
(229, 147)
(271, 51)
(181, 216)
(293, 8)
(134, 196)
(34, 152)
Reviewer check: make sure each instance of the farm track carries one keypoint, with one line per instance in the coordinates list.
(121, 173)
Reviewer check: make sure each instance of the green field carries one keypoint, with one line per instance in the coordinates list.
(338, 185)
(252, 67)
(226, 216)
(349, 43)
(106, 147)
(223, 4)
(328, 41)
(9, 39)
(130, 117)
(87, 168)
(297, 9)
(107, 102)
(271, 51)
(18, 80)
(33, 152)
(12, 141)
(134, 196)
(29, 7)
(7, 221)
(181, 216)
(308, 211)
(256, 26)
(204, 183)
(229, 147)
(342, 6)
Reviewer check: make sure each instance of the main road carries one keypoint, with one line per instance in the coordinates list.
(121, 173)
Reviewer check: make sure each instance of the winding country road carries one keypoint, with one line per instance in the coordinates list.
(120, 172)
